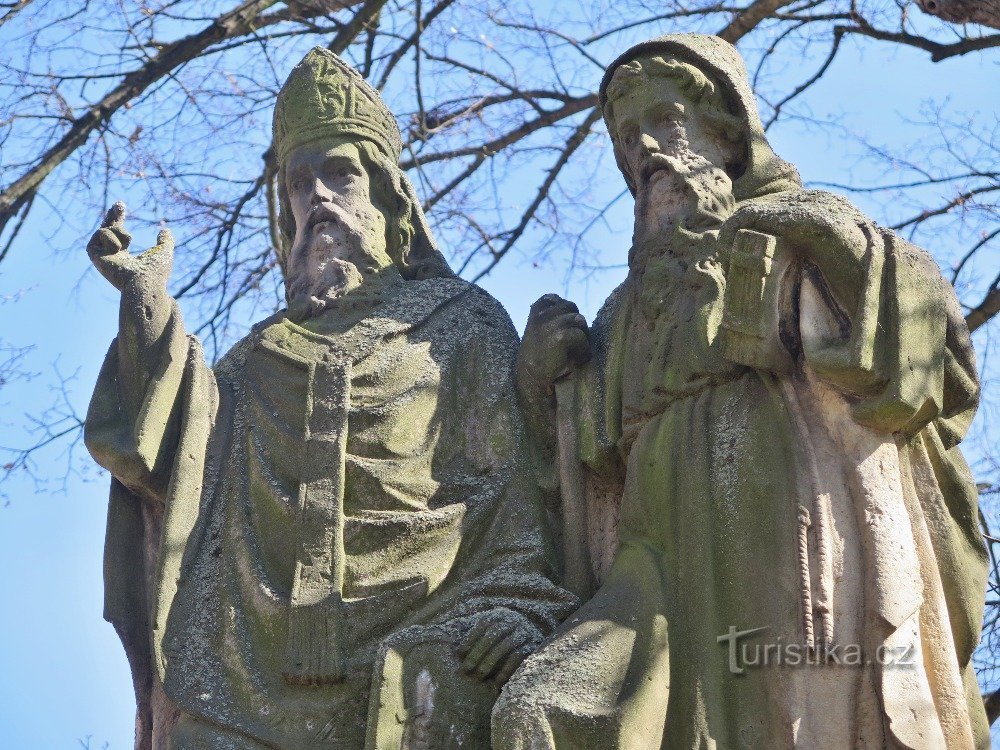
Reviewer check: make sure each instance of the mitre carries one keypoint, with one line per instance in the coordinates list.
(325, 97)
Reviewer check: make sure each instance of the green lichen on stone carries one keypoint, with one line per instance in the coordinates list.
(337, 529)
(783, 385)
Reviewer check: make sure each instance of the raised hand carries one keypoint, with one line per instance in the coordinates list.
(108, 251)
(145, 308)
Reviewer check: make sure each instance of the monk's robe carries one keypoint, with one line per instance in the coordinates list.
(331, 485)
(826, 507)
(787, 421)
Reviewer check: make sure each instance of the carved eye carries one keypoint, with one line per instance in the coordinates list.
(298, 185)
(340, 170)
(350, 172)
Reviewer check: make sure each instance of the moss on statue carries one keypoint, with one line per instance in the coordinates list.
(334, 537)
(783, 385)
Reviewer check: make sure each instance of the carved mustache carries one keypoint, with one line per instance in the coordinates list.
(712, 200)
(656, 162)
(321, 213)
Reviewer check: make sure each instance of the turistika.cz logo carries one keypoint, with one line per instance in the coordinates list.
(745, 653)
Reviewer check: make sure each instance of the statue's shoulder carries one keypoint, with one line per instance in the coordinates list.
(612, 310)
(819, 204)
(233, 360)
(837, 210)
(462, 304)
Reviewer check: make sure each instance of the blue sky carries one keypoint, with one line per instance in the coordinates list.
(64, 675)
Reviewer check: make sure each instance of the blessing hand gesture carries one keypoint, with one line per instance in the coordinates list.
(108, 251)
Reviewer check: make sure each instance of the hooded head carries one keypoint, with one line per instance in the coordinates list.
(758, 171)
(325, 99)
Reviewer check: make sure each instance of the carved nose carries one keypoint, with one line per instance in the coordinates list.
(320, 192)
(648, 144)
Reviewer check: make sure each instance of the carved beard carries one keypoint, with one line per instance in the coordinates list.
(681, 190)
(316, 276)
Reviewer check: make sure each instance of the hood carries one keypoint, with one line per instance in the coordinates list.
(763, 171)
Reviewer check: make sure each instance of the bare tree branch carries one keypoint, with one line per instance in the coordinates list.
(959, 200)
(986, 238)
(25, 210)
(572, 144)
(12, 9)
(362, 21)
(243, 19)
(986, 309)
(938, 50)
(549, 118)
(405, 47)
(809, 82)
(749, 18)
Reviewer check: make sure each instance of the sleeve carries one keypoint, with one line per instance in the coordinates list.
(136, 441)
(867, 312)
(507, 556)
(155, 451)
(903, 351)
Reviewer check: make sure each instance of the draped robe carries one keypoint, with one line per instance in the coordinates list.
(332, 484)
(825, 505)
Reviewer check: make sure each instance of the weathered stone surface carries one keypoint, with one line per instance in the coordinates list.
(335, 537)
(778, 391)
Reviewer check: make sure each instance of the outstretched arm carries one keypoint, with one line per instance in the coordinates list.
(134, 420)
(145, 307)
(148, 423)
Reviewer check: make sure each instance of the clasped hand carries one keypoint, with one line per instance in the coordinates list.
(555, 342)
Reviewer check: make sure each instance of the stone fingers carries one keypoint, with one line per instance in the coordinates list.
(573, 338)
(512, 662)
(103, 243)
(108, 250)
(108, 247)
(111, 238)
(114, 221)
(159, 258)
(551, 306)
(497, 656)
(476, 632)
(495, 633)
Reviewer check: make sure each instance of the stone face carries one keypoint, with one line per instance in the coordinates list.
(335, 537)
(768, 425)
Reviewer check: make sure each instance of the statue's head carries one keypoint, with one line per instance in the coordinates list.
(346, 210)
(676, 142)
(685, 129)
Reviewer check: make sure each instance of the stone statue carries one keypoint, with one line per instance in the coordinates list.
(334, 538)
(778, 389)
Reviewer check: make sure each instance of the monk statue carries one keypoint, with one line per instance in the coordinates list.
(334, 537)
(778, 391)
